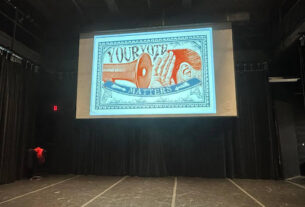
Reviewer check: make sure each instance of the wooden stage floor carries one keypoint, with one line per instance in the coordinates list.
(91, 191)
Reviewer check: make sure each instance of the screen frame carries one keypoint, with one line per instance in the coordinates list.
(214, 26)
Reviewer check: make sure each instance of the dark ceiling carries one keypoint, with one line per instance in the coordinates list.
(96, 11)
(255, 22)
(52, 27)
(47, 18)
(84, 12)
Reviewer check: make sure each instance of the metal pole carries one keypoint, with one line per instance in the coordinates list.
(302, 64)
(163, 18)
(14, 30)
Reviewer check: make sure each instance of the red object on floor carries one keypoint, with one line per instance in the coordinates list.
(39, 154)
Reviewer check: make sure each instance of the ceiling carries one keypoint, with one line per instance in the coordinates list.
(97, 11)
(256, 23)
(51, 19)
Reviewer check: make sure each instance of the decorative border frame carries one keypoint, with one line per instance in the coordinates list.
(207, 62)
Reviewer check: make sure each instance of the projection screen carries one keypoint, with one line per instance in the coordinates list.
(176, 71)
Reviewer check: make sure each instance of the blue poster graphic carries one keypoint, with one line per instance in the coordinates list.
(153, 73)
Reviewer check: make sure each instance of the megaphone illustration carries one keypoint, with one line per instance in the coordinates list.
(138, 71)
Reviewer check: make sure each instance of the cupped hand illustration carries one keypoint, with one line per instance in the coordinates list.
(162, 71)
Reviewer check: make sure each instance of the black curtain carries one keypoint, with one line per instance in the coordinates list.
(252, 145)
(243, 147)
(17, 117)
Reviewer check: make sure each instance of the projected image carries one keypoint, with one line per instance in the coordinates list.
(152, 73)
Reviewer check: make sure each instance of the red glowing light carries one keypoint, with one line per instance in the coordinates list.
(55, 108)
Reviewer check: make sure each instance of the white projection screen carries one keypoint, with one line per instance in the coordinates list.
(180, 71)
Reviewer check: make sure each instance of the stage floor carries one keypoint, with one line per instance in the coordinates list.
(90, 191)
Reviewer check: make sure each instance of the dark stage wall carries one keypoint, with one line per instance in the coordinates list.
(243, 147)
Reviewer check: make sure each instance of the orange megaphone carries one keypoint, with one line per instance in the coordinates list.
(138, 71)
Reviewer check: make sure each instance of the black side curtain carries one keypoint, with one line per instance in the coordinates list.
(252, 148)
(17, 118)
(243, 147)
